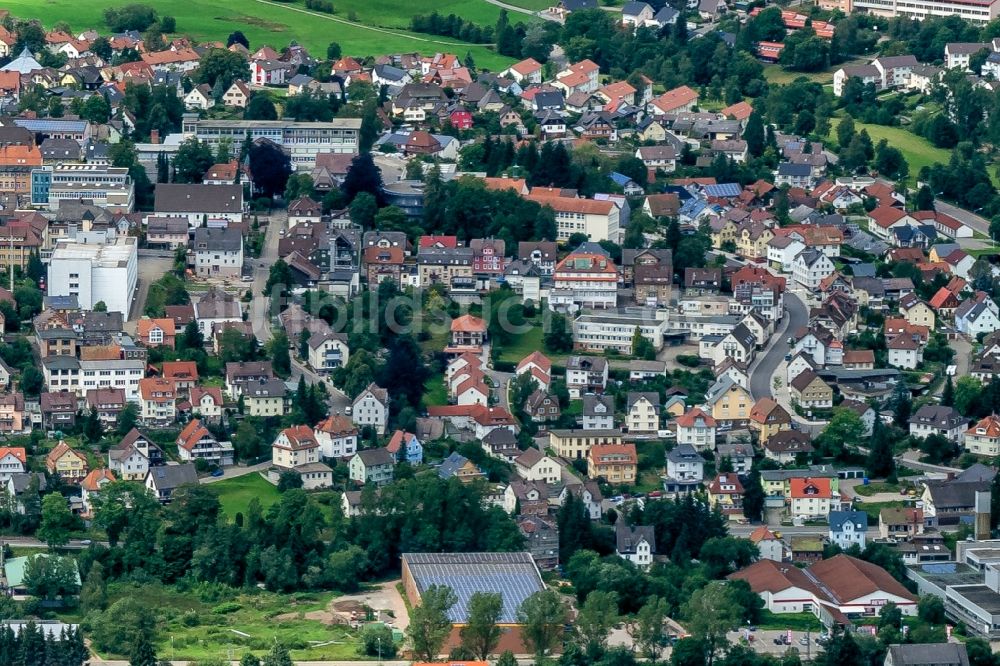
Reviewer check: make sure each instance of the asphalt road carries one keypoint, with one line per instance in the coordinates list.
(260, 305)
(796, 316)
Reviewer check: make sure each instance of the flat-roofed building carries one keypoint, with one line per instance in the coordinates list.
(301, 140)
(96, 273)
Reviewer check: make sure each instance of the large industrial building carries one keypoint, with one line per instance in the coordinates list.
(513, 575)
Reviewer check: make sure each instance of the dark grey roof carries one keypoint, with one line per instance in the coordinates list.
(633, 8)
(627, 538)
(795, 170)
(60, 149)
(21, 480)
(928, 654)
(634, 397)
(217, 240)
(590, 403)
(183, 198)
(378, 456)
(684, 453)
(938, 416)
(513, 575)
(451, 465)
(168, 477)
(840, 518)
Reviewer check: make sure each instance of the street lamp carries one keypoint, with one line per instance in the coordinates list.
(378, 640)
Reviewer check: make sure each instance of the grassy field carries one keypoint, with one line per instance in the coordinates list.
(876, 487)
(793, 621)
(235, 494)
(777, 74)
(191, 628)
(378, 28)
(918, 151)
(435, 392)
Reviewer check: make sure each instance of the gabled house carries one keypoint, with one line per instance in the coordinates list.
(69, 464)
(643, 412)
(162, 481)
(848, 528)
(196, 442)
(696, 428)
(685, 470)
(809, 390)
(405, 447)
(374, 466)
(371, 408)
(637, 544)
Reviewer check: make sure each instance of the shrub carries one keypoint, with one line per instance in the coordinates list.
(227, 607)
(689, 360)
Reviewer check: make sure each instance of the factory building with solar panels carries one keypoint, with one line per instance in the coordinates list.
(513, 575)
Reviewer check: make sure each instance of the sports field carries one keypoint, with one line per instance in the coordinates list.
(378, 29)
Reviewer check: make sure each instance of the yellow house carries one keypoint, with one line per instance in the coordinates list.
(916, 312)
(752, 241)
(767, 418)
(809, 390)
(729, 401)
(575, 444)
(726, 493)
(779, 482)
(654, 131)
(67, 463)
(725, 234)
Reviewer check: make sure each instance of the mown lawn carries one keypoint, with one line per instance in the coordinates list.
(793, 621)
(235, 494)
(435, 392)
(193, 628)
(276, 24)
(777, 74)
(876, 487)
(918, 151)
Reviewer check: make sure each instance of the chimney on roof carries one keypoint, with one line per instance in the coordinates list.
(154, 136)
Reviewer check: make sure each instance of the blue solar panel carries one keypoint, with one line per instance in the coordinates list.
(512, 575)
(723, 190)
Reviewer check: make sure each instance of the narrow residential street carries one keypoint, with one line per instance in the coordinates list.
(260, 316)
(796, 316)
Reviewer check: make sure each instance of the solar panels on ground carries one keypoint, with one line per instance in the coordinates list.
(512, 575)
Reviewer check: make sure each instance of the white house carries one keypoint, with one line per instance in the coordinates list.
(371, 408)
(938, 420)
(685, 470)
(218, 252)
(200, 98)
(598, 412)
(781, 252)
(905, 352)
(696, 428)
(337, 437)
(635, 544)
(976, 315)
(848, 528)
(810, 267)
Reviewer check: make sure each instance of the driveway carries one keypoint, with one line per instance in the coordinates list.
(151, 269)
(234, 471)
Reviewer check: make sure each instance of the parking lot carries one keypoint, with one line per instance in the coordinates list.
(763, 642)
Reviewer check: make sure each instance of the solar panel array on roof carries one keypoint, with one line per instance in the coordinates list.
(512, 575)
(724, 190)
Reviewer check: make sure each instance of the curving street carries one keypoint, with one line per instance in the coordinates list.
(796, 317)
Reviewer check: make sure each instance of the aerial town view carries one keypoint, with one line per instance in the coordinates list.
(500, 333)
